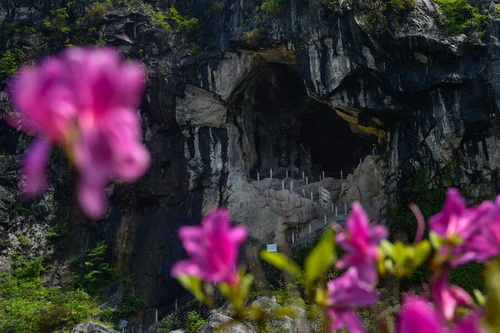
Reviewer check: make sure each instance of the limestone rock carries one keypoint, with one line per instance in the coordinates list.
(92, 327)
(221, 323)
(200, 108)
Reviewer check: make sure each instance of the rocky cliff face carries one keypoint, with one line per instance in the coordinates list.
(308, 89)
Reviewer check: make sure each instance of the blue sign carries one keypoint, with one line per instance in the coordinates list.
(272, 248)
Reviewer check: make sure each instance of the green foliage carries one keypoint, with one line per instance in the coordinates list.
(401, 259)
(272, 7)
(10, 62)
(27, 306)
(58, 230)
(99, 274)
(27, 268)
(172, 20)
(320, 259)
(375, 13)
(193, 321)
(129, 306)
(23, 242)
(268, 10)
(159, 21)
(469, 276)
(460, 15)
(58, 21)
(288, 294)
(402, 222)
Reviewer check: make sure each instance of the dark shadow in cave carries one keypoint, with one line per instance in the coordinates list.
(333, 146)
(281, 127)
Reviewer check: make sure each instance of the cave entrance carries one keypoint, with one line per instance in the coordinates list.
(283, 128)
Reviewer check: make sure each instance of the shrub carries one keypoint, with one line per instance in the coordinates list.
(172, 19)
(98, 10)
(27, 306)
(10, 62)
(58, 230)
(130, 305)
(194, 321)
(99, 274)
(253, 37)
(271, 7)
(459, 15)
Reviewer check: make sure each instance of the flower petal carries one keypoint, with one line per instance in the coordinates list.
(34, 168)
(418, 316)
(92, 197)
(351, 321)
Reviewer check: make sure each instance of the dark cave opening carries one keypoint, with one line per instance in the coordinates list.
(283, 128)
(333, 146)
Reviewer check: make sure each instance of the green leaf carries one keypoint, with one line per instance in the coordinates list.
(422, 251)
(387, 248)
(436, 240)
(244, 286)
(193, 284)
(282, 262)
(402, 259)
(479, 296)
(320, 259)
(492, 308)
(237, 293)
(400, 253)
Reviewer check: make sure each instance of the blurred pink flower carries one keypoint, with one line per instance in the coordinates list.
(345, 293)
(447, 297)
(360, 241)
(84, 100)
(465, 230)
(487, 242)
(470, 324)
(213, 249)
(419, 316)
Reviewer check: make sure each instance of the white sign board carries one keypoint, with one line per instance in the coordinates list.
(272, 248)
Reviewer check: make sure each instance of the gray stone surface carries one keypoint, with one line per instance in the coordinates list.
(91, 327)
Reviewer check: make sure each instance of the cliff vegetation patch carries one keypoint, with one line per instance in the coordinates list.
(460, 15)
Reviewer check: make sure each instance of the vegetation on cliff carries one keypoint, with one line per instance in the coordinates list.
(27, 305)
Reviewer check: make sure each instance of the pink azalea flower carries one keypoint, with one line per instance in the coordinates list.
(463, 229)
(447, 297)
(487, 242)
(345, 293)
(419, 316)
(360, 241)
(213, 249)
(84, 100)
(470, 324)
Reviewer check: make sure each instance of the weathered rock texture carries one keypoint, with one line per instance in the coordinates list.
(311, 90)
